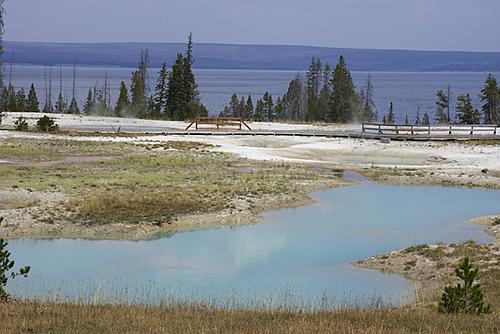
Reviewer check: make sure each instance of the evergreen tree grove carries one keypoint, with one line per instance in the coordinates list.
(343, 98)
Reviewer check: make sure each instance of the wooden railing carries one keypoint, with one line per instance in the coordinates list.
(219, 122)
(449, 129)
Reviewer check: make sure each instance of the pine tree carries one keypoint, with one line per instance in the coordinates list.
(390, 119)
(123, 102)
(60, 106)
(138, 101)
(32, 104)
(295, 100)
(324, 95)
(89, 103)
(269, 112)
(160, 97)
(279, 109)
(313, 85)
(233, 106)
(249, 108)
(190, 86)
(176, 93)
(465, 297)
(426, 120)
(490, 95)
(343, 100)
(241, 109)
(406, 120)
(313, 79)
(151, 109)
(259, 111)
(21, 100)
(442, 103)
(417, 118)
(73, 107)
(465, 110)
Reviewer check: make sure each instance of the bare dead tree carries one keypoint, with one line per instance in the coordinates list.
(2, 29)
(74, 82)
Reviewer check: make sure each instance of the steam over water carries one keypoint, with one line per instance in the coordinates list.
(407, 91)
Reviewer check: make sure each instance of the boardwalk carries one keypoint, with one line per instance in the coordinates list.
(452, 132)
(362, 131)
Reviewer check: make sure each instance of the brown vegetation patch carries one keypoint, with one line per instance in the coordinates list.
(35, 317)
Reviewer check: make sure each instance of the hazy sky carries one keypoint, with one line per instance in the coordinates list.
(404, 24)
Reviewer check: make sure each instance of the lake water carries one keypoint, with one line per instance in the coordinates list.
(296, 256)
(408, 91)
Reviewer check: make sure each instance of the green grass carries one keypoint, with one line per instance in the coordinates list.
(114, 182)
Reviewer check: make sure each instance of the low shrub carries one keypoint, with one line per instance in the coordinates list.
(47, 124)
(21, 124)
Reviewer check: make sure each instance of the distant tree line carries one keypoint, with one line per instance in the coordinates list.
(323, 95)
(465, 112)
(330, 96)
(174, 97)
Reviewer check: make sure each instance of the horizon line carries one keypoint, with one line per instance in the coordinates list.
(256, 44)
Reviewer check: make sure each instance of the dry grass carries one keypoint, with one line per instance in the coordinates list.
(160, 204)
(36, 317)
(150, 182)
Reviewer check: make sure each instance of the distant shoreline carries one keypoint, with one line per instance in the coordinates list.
(241, 69)
(250, 57)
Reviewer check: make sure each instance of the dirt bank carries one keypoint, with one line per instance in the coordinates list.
(432, 266)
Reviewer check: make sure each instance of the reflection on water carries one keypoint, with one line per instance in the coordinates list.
(302, 252)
